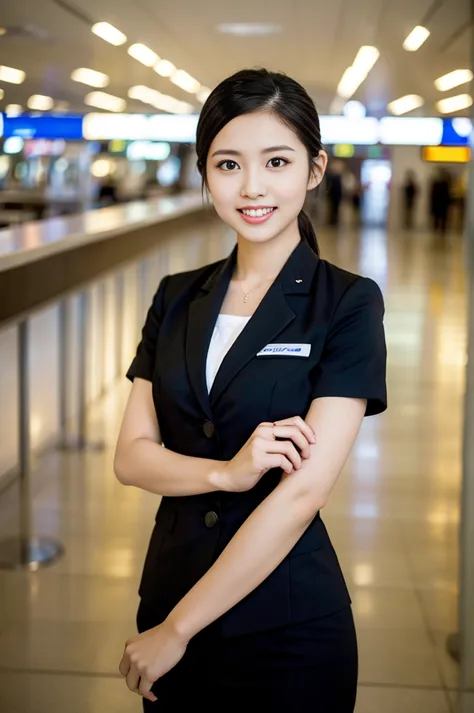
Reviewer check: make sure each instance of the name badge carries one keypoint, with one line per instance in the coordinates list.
(298, 350)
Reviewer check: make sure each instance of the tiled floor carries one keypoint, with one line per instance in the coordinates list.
(393, 516)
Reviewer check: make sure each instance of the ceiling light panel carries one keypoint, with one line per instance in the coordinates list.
(405, 104)
(102, 100)
(416, 38)
(13, 109)
(109, 33)
(452, 104)
(354, 75)
(11, 75)
(453, 79)
(184, 80)
(249, 29)
(40, 102)
(143, 54)
(164, 68)
(90, 77)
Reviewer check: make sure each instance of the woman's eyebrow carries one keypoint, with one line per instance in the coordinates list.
(232, 152)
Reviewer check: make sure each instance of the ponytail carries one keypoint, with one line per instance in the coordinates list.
(307, 232)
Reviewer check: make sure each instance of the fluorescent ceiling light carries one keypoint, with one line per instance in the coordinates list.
(40, 102)
(160, 101)
(109, 33)
(13, 76)
(102, 100)
(13, 109)
(3, 31)
(164, 68)
(90, 77)
(416, 38)
(203, 94)
(143, 54)
(184, 80)
(354, 76)
(365, 59)
(405, 104)
(453, 79)
(249, 29)
(350, 81)
(457, 103)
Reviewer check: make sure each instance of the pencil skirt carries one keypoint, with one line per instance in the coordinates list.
(309, 667)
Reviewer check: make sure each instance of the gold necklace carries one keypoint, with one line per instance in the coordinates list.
(246, 295)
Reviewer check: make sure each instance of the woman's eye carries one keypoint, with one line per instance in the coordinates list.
(228, 165)
(278, 162)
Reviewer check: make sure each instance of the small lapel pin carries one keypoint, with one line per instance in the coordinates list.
(299, 281)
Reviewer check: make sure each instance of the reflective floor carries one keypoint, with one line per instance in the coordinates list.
(393, 516)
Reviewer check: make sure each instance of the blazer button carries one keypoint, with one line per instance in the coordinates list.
(211, 519)
(208, 428)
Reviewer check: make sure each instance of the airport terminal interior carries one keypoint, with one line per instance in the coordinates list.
(100, 198)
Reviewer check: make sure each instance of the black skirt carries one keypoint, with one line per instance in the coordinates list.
(302, 668)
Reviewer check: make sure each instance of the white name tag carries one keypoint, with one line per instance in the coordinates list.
(298, 350)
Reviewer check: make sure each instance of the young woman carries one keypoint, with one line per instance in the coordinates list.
(255, 373)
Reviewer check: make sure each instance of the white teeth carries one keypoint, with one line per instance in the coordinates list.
(257, 213)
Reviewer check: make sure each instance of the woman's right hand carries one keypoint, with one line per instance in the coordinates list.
(283, 444)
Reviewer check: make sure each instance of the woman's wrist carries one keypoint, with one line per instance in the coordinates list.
(219, 477)
(178, 626)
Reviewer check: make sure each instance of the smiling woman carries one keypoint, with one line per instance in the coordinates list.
(255, 373)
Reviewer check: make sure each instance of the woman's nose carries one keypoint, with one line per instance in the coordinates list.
(252, 186)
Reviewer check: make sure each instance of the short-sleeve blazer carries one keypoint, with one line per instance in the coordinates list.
(311, 302)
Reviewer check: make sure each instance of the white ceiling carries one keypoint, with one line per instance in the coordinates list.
(320, 39)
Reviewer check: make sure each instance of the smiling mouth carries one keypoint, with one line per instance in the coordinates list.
(256, 212)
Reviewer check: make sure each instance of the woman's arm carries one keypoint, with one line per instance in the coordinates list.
(141, 461)
(276, 525)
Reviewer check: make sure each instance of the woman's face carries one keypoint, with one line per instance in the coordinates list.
(258, 176)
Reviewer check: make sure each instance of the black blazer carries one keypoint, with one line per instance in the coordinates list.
(340, 316)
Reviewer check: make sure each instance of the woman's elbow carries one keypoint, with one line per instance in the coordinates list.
(120, 469)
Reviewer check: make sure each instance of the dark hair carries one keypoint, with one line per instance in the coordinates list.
(253, 90)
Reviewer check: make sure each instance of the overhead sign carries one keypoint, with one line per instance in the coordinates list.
(179, 128)
(457, 132)
(410, 131)
(345, 130)
(446, 154)
(46, 126)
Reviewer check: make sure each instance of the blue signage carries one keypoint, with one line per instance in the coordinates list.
(457, 132)
(43, 127)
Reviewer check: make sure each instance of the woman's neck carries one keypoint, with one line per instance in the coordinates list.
(257, 262)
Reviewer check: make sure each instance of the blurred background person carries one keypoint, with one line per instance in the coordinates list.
(410, 194)
(440, 200)
(335, 193)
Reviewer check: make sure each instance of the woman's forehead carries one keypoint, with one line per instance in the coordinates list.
(254, 133)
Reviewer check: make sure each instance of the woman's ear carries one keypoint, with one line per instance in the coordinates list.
(318, 169)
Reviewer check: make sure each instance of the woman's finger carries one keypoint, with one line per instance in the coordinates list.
(133, 679)
(294, 434)
(144, 689)
(304, 427)
(279, 461)
(287, 449)
(124, 665)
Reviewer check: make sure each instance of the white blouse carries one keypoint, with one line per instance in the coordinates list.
(227, 329)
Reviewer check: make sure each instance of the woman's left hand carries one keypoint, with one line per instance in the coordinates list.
(150, 655)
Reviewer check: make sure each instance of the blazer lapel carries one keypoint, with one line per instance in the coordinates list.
(202, 316)
(271, 316)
